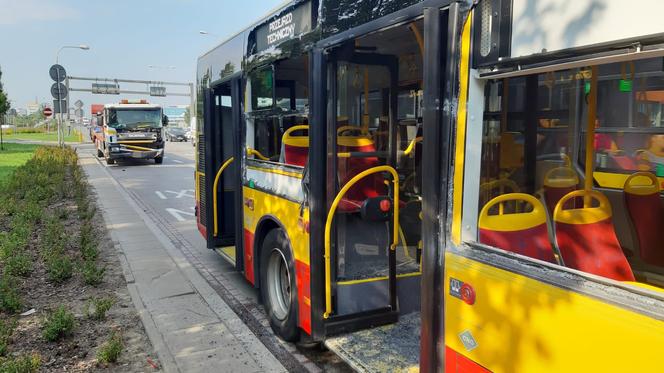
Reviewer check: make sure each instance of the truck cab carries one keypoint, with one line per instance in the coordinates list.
(131, 129)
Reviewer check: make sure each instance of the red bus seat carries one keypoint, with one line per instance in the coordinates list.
(558, 182)
(523, 233)
(296, 148)
(645, 210)
(348, 167)
(586, 238)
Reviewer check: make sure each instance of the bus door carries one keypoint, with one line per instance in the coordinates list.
(222, 167)
(374, 205)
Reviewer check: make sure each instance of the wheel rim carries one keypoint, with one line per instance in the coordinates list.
(278, 284)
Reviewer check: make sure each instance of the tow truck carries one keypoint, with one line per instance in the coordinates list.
(131, 129)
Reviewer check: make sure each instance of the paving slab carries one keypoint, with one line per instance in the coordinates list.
(190, 326)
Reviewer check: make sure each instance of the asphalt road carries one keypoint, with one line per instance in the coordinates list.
(167, 192)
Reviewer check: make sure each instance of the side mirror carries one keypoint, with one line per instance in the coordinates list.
(164, 120)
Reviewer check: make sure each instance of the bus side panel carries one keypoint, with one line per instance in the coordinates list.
(287, 213)
(518, 324)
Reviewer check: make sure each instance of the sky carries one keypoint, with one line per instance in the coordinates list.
(125, 38)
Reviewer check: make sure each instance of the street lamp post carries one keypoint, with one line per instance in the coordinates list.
(57, 58)
(203, 32)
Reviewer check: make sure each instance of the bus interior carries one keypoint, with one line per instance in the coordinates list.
(540, 193)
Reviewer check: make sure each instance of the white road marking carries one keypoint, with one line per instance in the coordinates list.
(177, 161)
(160, 194)
(177, 214)
(183, 193)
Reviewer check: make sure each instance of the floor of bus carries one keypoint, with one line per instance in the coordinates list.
(388, 348)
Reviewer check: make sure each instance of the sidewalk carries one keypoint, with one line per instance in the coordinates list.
(188, 323)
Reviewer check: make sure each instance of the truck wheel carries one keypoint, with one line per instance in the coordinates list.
(159, 160)
(110, 161)
(278, 287)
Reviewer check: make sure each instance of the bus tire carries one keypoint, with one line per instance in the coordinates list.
(278, 287)
(159, 160)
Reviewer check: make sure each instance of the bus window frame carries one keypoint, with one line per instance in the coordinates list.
(633, 298)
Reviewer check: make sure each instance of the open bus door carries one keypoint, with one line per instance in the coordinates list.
(222, 169)
(383, 74)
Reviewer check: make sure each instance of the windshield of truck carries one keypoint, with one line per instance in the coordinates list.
(134, 118)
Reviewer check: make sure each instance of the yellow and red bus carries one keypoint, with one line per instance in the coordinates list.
(466, 186)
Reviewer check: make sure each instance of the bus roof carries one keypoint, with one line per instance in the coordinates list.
(292, 26)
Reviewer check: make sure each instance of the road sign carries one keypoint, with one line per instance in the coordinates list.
(57, 73)
(78, 112)
(158, 91)
(47, 112)
(105, 89)
(60, 106)
(78, 104)
(58, 91)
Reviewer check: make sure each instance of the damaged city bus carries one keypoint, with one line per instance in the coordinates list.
(533, 241)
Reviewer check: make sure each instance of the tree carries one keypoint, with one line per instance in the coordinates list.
(187, 116)
(4, 107)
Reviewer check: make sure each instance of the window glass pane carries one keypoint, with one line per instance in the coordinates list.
(534, 144)
(262, 84)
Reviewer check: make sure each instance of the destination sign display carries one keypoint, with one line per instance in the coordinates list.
(286, 26)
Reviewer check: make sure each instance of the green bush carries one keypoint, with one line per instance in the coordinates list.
(110, 351)
(58, 324)
(21, 364)
(96, 308)
(10, 301)
(60, 267)
(6, 330)
(18, 264)
(92, 275)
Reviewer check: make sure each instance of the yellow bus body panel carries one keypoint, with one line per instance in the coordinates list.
(286, 212)
(523, 325)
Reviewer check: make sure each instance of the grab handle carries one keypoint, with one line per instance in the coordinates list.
(330, 219)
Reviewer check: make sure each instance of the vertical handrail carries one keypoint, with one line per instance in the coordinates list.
(214, 193)
(330, 219)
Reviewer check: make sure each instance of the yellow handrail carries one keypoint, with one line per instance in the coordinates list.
(330, 218)
(256, 153)
(411, 146)
(214, 192)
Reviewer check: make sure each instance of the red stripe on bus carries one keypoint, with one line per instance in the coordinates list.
(249, 256)
(201, 227)
(455, 362)
(302, 278)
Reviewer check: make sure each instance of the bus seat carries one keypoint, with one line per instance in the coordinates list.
(296, 148)
(558, 182)
(586, 238)
(348, 167)
(523, 233)
(644, 206)
(622, 160)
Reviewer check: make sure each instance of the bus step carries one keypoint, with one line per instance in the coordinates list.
(360, 320)
(227, 253)
(388, 348)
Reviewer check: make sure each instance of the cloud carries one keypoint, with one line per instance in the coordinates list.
(13, 12)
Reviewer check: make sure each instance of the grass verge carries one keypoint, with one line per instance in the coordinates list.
(13, 156)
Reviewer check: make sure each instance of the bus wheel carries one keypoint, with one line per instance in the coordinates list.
(277, 285)
(159, 160)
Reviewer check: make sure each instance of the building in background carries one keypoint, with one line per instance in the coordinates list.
(176, 115)
(33, 107)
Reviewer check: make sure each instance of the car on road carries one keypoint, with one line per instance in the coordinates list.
(175, 134)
